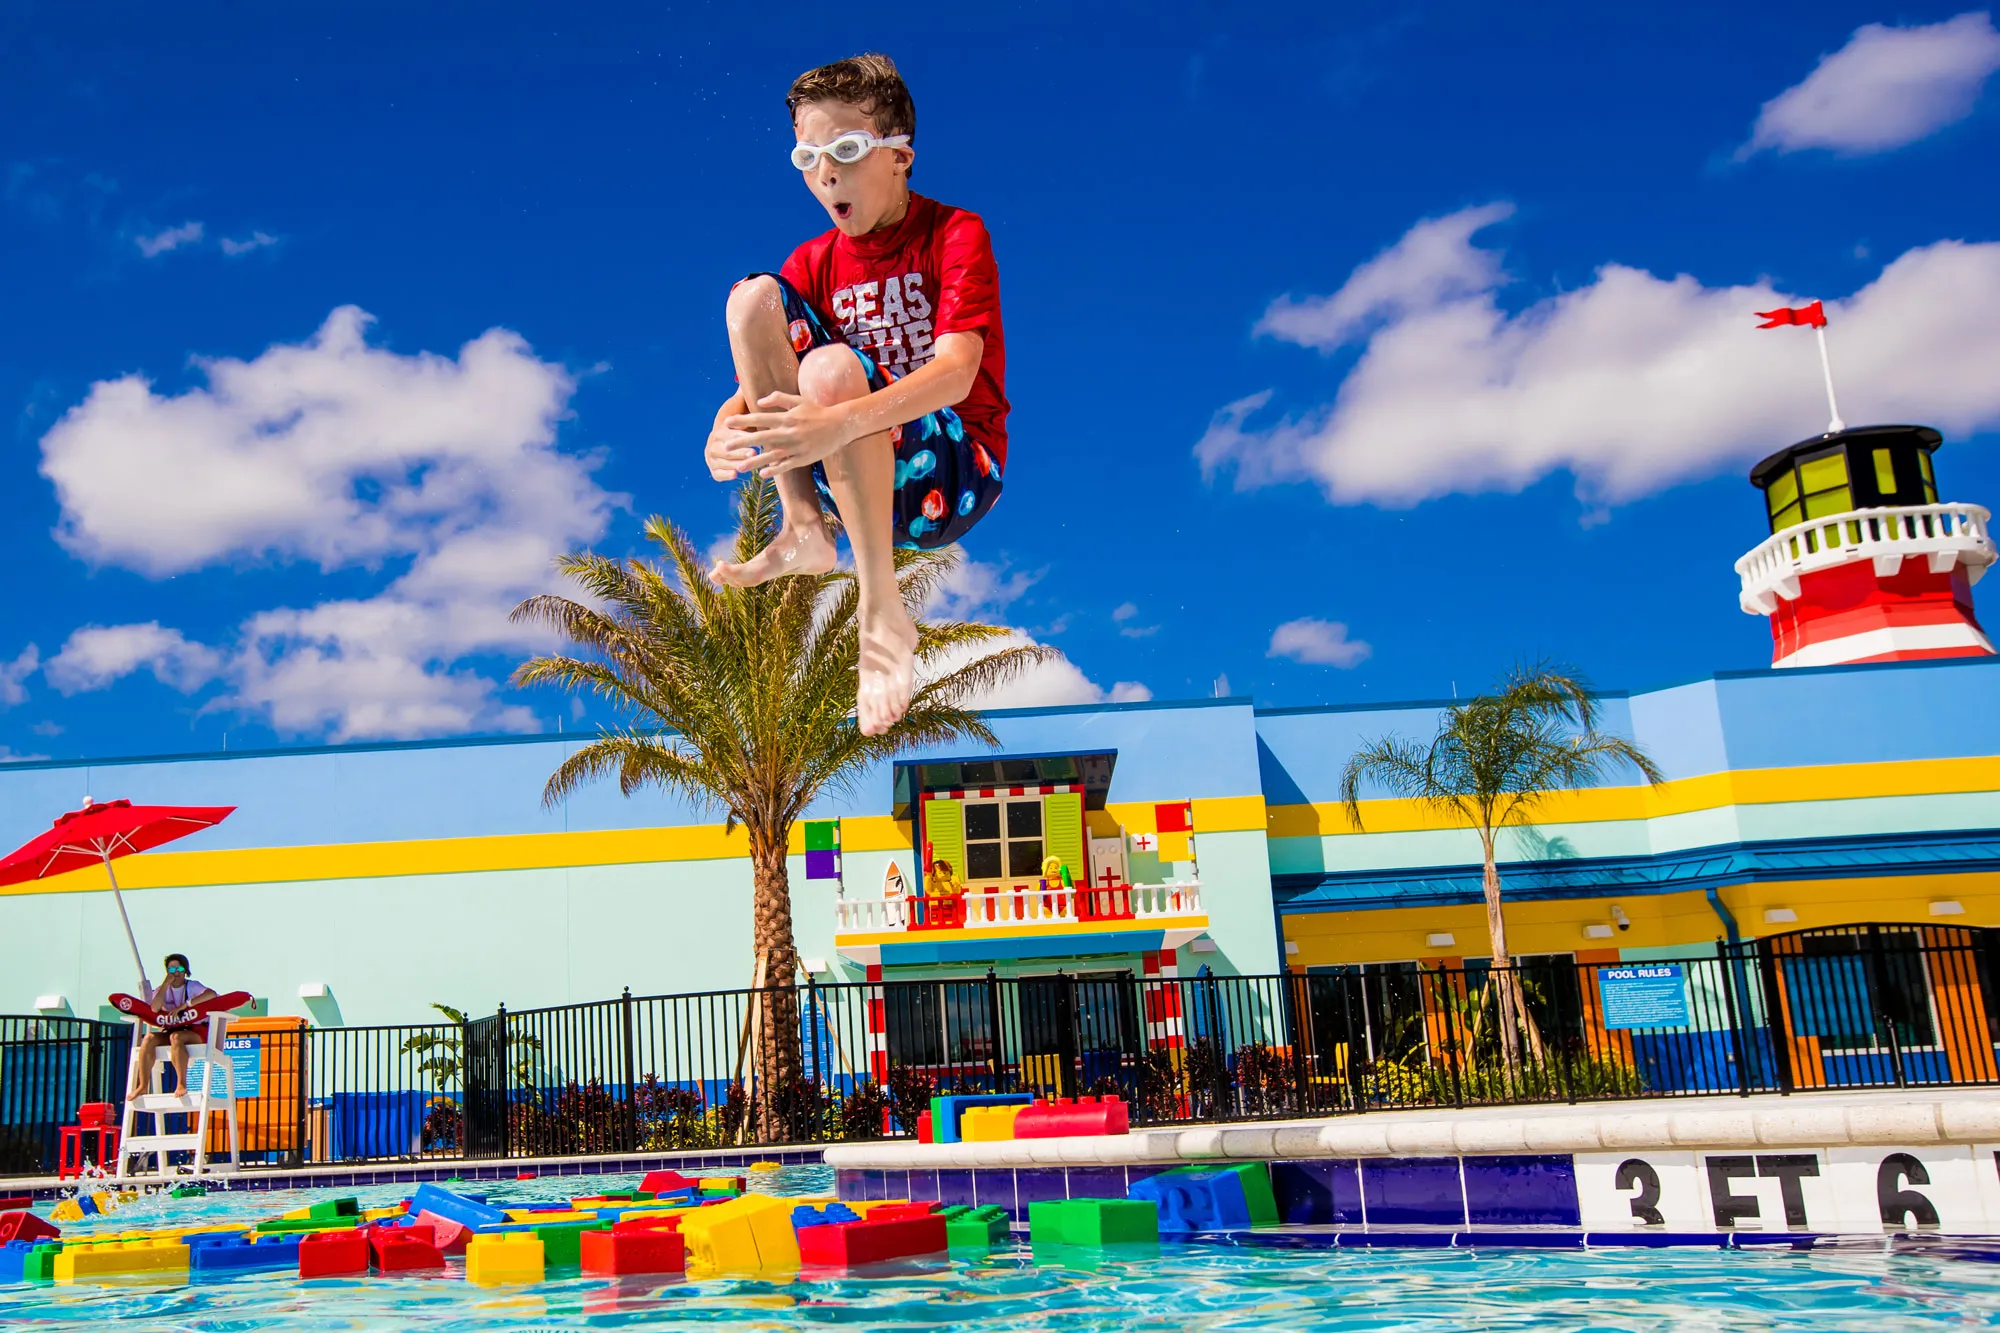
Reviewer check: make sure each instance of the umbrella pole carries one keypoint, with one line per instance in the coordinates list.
(145, 988)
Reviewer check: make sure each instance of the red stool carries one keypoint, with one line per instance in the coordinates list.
(69, 1159)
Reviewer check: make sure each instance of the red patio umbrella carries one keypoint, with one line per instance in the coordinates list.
(103, 830)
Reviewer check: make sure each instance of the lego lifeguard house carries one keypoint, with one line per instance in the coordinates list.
(1863, 564)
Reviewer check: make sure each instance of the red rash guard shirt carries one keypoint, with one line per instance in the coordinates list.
(894, 292)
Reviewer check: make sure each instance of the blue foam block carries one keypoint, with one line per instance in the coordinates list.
(953, 1108)
(455, 1208)
(214, 1255)
(805, 1215)
(13, 1257)
(1192, 1201)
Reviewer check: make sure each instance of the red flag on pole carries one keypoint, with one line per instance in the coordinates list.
(1812, 316)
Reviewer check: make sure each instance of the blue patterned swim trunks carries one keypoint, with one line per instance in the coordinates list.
(945, 479)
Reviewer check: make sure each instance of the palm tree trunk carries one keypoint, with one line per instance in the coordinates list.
(776, 1007)
(1505, 991)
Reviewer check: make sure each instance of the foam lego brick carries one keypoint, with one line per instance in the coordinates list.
(849, 1244)
(122, 1258)
(14, 1260)
(805, 1215)
(1210, 1198)
(1093, 1222)
(333, 1254)
(561, 1245)
(334, 1208)
(988, 1124)
(450, 1237)
(948, 1112)
(612, 1254)
(1060, 1119)
(25, 1226)
(40, 1265)
(217, 1256)
(457, 1208)
(405, 1250)
(512, 1257)
(665, 1182)
(976, 1228)
(752, 1233)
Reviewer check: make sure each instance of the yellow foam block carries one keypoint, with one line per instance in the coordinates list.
(865, 1207)
(377, 1214)
(296, 1215)
(750, 1234)
(506, 1257)
(121, 1258)
(987, 1124)
(69, 1210)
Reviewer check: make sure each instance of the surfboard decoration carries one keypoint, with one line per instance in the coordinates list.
(893, 884)
(174, 1018)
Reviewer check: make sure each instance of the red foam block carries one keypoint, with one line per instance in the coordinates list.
(25, 1225)
(615, 1253)
(449, 1237)
(666, 1182)
(405, 1249)
(846, 1244)
(890, 1212)
(1088, 1115)
(333, 1254)
(639, 1226)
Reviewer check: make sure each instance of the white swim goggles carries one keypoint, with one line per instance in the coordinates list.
(848, 149)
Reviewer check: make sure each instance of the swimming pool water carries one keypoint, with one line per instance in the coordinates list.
(1180, 1287)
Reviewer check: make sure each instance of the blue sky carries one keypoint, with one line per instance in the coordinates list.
(1354, 355)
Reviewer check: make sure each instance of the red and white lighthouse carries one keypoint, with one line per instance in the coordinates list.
(1863, 563)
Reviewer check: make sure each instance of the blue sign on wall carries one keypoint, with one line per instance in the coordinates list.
(1644, 995)
(246, 1060)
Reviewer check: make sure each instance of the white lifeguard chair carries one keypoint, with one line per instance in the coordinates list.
(204, 1096)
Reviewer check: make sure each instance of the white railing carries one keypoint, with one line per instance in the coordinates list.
(1019, 906)
(1946, 535)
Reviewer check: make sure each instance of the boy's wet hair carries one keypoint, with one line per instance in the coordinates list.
(868, 81)
(180, 958)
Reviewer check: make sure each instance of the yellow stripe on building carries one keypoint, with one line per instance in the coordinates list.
(1710, 791)
(449, 856)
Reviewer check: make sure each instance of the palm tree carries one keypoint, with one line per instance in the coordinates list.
(1494, 760)
(743, 699)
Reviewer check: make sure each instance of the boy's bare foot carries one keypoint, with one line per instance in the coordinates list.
(795, 550)
(888, 669)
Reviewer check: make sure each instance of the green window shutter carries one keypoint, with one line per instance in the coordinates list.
(944, 830)
(1062, 832)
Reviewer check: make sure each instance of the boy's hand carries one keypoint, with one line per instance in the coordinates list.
(789, 433)
(729, 452)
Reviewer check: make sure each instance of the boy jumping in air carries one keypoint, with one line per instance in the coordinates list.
(876, 365)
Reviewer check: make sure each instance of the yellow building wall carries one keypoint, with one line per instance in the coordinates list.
(1661, 920)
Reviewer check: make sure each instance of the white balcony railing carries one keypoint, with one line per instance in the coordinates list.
(1945, 535)
(1017, 907)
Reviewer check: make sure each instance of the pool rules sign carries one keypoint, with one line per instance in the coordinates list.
(1845, 1190)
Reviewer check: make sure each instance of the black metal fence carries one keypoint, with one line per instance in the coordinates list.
(1854, 1007)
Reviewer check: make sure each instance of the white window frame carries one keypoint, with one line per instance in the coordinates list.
(1001, 802)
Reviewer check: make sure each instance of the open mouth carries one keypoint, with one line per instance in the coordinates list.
(842, 210)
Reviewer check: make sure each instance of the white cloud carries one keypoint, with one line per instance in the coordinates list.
(256, 240)
(173, 238)
(1887, 87)
(1318, 643)
(979, 590)
(1124, 611)
(10, 756)
(982, 591)
(345, 455)
(98, 656)
(1630, 382)
(1047, 686)
(14, 676)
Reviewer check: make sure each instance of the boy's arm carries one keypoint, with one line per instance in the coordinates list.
(794, 433)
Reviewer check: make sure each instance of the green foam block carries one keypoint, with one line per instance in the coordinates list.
(976, 1228)
(1093, 1222)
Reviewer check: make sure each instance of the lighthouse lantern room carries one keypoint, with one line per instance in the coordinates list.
(1863, 563)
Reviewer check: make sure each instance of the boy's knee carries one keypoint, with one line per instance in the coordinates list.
(753, 299)
(832, 374)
